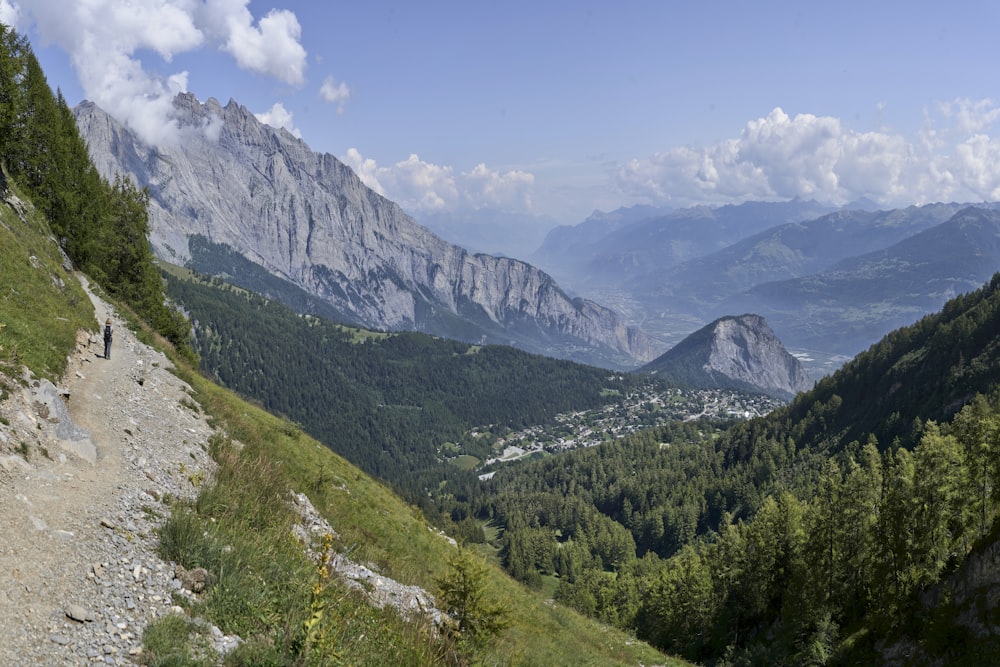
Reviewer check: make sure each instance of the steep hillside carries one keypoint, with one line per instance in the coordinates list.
(118, 501)
(927, 370)
(734, 352)
(308, 219)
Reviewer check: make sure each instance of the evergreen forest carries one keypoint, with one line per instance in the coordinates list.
(833, 531)
(396, 405)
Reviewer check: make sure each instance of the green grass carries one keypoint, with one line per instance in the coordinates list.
(42, 306)
(465, 462)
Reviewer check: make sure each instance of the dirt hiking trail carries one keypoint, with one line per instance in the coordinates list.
(80, 498)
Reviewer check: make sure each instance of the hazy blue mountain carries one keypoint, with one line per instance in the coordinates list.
(564, 245)
(632, 247)
(860, 299)
(784, 252)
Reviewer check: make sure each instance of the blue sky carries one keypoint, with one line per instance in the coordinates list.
(561, 108)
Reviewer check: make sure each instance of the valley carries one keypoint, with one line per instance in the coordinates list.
(550, 480)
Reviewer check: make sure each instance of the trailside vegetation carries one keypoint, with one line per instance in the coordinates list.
(269, 592)
(102, 226)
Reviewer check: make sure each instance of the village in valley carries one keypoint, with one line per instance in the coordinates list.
(636, 411)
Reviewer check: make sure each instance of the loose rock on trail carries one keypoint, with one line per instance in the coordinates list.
(85, 468)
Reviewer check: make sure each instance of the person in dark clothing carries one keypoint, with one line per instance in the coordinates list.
(107, 339)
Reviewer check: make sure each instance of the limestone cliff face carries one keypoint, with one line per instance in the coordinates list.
(738, 352)
(307, 218)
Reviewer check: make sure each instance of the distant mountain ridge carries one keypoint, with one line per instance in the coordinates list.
(860, 299)
(308, 219)
(734, 352)
(830, 283)
(642, 241)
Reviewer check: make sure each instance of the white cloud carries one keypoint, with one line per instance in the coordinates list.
(335, 93)
(781, 157)
(971, 116)
(103, 38)
(421, 186)
(9, 14)
(271, 47)
(279, 116)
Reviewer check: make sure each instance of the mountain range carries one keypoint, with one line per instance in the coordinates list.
(307, 219)
(830, 283)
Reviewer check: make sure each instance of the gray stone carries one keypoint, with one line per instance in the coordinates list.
(193, 580)
(51, 408)
(78, 613)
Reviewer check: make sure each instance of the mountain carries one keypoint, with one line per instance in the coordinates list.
(783, 252)
(308, 219)
(566, 246)
(644, 241)
(860, 299)
(829, 284)
(738, 352)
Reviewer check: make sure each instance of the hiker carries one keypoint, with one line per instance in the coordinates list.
(107, 339)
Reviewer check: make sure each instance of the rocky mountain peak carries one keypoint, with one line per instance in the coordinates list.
(307, 219)
(738, 352)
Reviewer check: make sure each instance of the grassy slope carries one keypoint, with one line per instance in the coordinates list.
(379, 528)
(42, 306)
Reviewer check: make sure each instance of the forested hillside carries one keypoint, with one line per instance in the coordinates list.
(809, 536)
(387, 402)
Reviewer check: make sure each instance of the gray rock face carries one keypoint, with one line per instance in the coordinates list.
(738, 352)
(307, 218)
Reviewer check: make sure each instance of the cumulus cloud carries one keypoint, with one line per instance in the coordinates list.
(781, 157)
(335, 93)
(271, 47)
(103, 38)
(279, 116)
(423, 187)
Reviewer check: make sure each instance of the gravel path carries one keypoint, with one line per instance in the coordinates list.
(82, 492)
(81, 496)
